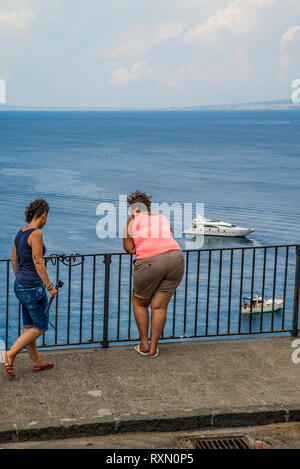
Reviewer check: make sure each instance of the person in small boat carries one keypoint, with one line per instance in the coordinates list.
(31, 282)
(157, 272)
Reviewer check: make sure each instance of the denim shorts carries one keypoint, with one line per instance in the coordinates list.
(34, 303)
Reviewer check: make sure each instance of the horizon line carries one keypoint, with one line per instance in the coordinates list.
(283, 102)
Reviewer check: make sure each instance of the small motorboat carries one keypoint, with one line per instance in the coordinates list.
(212, 227)
(258, 305)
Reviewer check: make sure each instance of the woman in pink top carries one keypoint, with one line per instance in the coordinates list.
(157, 272)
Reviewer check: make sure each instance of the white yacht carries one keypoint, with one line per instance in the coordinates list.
(212, 227)
(258, 305)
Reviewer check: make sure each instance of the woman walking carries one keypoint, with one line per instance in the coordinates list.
(30, 282)
(158, 269)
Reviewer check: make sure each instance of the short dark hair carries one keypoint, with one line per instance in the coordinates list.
(36, 209)
(140, 198)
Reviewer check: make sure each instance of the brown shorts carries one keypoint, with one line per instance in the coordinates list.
(162, 273)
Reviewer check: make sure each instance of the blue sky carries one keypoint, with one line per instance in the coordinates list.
(148, 53)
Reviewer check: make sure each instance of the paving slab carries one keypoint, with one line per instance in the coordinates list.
(190, 385)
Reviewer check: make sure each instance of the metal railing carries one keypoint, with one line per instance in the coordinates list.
(94, 307)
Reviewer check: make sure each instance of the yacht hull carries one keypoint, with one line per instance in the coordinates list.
(225, 233)
(267, 308)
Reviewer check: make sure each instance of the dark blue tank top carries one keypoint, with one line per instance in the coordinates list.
(27, 274)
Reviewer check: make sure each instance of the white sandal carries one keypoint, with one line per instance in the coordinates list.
(154, 356)
(137, 348)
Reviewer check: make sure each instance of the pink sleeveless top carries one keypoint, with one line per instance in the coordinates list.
(152, 235)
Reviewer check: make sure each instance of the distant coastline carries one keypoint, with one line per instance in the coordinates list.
(255, 106)
(284, 104)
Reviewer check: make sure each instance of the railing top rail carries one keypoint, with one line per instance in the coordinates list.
(241, 248)
(99, 254)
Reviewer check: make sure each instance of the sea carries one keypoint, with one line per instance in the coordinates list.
(244, 166)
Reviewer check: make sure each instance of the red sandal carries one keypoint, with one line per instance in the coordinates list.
(8, 368)
(38, 368)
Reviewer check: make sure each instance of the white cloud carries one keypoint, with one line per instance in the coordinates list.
(122, 75)
(240, 17)
(16, 17)
(180, 76)
(245, 71)
(139, 41)
(134, 42)
(17, 21)
(241, 71)
(291, 36)
(196, 73)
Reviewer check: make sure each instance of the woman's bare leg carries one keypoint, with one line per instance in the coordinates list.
(34, 354)
(26, 339)
(141, 314)
(159, 306)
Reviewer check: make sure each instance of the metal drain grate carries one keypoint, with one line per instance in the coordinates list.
(228, 442)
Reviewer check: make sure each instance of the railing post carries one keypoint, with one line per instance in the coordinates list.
(295, 332)
(107, 262)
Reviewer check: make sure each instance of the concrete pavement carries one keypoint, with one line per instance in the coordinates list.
(220, 383)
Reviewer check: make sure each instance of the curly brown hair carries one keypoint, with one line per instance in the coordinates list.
(36, 209)
(140, 198)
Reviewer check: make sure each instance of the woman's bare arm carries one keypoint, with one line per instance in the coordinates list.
(35, 240)
(14, 260)
(128, 242)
